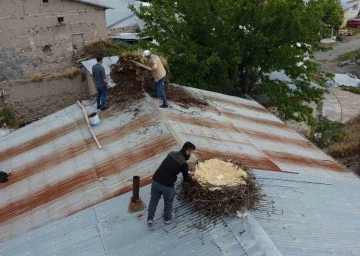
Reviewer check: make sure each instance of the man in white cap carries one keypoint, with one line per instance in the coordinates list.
(159, 73)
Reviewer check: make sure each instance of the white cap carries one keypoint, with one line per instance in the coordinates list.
(147, 53)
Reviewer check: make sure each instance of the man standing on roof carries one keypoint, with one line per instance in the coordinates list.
(164, 180)
(101, 83)
(159, 73)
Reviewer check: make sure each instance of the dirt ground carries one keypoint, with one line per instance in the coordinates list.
(339, 48)
(343, 106)
(328, 60)
(347, 151)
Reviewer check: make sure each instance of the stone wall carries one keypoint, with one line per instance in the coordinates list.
(35, 100)
(130, 29)
(37, 37)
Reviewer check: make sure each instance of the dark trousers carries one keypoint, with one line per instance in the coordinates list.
(158, 190)
(101, 96)
(159, 88)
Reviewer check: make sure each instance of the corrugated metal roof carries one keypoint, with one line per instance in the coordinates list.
(310, 206)
(121, 16)
(108, 229)
(107, 62)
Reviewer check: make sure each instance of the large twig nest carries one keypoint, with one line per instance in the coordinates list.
(132, 81)
(224, 187)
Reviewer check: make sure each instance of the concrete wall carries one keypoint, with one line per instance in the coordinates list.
(115, 31)
(91, 87)
(352, 12)
(35, 100)
(32, 40)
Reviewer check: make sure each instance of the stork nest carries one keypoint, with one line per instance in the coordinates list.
(133, 81)
(221, 201)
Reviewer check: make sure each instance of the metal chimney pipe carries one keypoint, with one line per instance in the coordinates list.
(136, 187)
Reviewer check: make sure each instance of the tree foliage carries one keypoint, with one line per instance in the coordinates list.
(239, 43)
(330, 11)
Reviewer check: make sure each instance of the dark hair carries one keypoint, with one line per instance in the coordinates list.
(99, 58)
(188, 146)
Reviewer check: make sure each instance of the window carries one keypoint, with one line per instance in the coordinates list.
(355, 7)
(60, 19)
(45, 1)
(47, 48)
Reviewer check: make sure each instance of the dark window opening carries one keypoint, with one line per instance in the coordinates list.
(45, 1)
(60, 19)
(47, 48)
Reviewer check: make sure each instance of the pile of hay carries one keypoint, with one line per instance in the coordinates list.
(133, 81)
(224, 187)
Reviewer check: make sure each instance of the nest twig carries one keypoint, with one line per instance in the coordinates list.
(224, 201)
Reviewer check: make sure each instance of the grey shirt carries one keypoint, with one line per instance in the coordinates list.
(99, 74)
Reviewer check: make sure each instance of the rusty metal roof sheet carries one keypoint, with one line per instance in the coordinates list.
(59, 172)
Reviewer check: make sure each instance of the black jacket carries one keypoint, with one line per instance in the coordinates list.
(173, 164)
(3, 177)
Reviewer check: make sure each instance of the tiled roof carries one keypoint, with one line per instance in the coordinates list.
(61, 182)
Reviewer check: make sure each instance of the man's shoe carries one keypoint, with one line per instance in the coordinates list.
(98, 107)
(150, 221)
(104, 108)
(164, 106)
(154, 96)
(172, 217)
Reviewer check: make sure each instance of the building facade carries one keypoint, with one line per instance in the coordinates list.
(351, 10)
(42, 35)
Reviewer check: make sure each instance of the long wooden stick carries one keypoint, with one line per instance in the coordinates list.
(88, 123)
(140, 65)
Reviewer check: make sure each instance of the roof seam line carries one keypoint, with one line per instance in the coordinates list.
(99, 231)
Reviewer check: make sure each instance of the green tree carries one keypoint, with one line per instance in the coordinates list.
(331, 12)
(239, 43)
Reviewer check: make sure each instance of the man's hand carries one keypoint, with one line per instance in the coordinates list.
(194, 177)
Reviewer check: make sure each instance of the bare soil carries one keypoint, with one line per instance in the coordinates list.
(347, 151)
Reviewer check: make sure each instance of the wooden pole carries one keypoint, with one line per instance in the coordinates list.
(140, 65)
(88, 123)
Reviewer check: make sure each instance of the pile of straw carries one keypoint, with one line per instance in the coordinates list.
(219, 201)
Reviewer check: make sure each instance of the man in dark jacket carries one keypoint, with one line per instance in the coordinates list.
(4, 176)
(101, 83)
(165, 178)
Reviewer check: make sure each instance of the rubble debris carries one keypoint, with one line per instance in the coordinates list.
(344, 63)
(345, 32)
(219, 201)
(340, 80)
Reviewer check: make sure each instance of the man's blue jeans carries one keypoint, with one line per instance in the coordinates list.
(158, 190)
(159, 88)
(101, 96)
